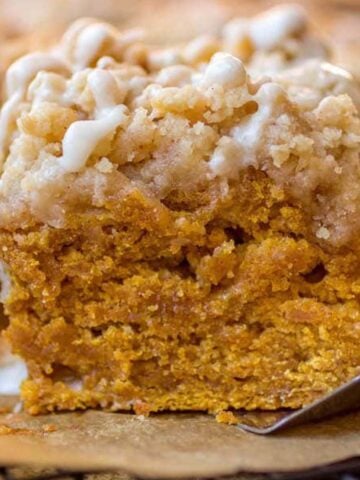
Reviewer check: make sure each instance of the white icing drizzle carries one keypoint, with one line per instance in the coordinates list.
(21, 72)
(8, 116)
(241, 149)
(249, 132)
(70, 36)
(89, 43)
(84, 40)
(266, 31)
(269, 29)
(336, 70)
(226, 70)
(18, 78)
(82, 137)
(106, 91)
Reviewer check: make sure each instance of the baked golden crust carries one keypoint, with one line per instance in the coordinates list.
(181, 236)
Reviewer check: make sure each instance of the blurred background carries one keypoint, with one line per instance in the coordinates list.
(29, 24)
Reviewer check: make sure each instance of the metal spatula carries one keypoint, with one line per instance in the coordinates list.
(341, 400)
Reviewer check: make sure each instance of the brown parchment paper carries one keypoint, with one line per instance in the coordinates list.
(169, 445)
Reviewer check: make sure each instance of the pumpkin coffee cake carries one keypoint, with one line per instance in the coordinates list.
(179, 226)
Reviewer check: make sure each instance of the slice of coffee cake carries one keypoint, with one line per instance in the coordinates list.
(176, 231)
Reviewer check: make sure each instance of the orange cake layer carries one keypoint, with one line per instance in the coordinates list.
(179, 227)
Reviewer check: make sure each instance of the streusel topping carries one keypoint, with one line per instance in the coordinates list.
(103, 113)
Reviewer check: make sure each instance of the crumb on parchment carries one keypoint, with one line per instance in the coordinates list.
(227, 417)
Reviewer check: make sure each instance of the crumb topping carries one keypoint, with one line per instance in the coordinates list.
(103, 113)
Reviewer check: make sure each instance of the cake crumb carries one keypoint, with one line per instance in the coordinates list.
(142, 409)
(6, 430)
(104, 166)
(226, 417)
(323, 233)
(49, 427)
